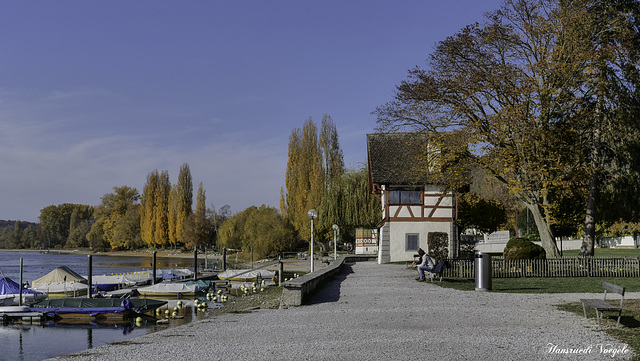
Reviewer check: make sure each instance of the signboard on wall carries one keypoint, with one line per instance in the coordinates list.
(497, 237)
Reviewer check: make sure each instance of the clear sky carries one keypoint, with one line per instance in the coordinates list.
(99, 94)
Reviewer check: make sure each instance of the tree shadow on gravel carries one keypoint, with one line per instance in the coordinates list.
(330, 291)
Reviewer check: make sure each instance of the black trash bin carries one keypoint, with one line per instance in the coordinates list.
(483, 269)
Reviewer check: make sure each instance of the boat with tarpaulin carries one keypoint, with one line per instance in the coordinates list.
(61, 282)
(170, 290)
(246, 275)
(9, 291)
(96, 308)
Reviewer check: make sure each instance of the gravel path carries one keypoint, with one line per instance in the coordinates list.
(377, 312)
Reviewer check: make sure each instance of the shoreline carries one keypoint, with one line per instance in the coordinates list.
(143, 253)
(302, 266)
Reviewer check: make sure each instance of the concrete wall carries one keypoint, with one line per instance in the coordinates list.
(398, 232)
(626, 241)
(384, 252)
(295, 292)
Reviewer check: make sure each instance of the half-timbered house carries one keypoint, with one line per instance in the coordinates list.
(413, 208)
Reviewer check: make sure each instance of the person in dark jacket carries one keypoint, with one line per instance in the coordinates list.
(426, 264)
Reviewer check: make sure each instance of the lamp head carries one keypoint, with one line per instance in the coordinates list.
(312, 214)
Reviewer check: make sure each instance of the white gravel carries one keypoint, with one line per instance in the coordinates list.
(377, 312)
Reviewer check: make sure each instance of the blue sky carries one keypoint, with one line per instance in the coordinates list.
(99, 94)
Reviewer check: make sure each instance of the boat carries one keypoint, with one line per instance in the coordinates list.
(246, 275)
(6, 300)
(13, 309)
(175, 273)
(61, 282)
(170, 290)
(95, 308)
(111, 282)
(9, 291)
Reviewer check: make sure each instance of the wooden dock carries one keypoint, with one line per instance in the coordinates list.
(25, 317)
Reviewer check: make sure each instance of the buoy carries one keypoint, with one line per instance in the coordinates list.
(138, 319)
(174, 314)
(180, 304)
(261, 289)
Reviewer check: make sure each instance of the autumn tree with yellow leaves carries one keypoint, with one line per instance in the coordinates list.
(533, 92)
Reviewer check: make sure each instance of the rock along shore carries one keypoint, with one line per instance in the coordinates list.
(375, 312)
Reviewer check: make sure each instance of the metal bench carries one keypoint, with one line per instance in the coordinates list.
(601, 305)
(438, 269)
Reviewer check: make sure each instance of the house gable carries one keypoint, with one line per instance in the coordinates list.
(412, 207)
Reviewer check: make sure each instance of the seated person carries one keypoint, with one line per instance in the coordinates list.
(426, 264)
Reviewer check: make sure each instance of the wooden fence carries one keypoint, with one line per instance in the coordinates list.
(556, 267)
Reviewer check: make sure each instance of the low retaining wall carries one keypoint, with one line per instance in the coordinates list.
(296, 291)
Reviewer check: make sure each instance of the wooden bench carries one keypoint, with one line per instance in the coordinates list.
(601, 305)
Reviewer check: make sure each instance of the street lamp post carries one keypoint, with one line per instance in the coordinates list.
(312, 214)
(336, 232)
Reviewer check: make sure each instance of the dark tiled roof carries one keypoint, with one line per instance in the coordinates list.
(395, 158)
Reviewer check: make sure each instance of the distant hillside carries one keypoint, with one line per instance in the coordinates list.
(11, 224)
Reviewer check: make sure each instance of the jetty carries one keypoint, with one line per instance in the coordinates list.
(24, 317)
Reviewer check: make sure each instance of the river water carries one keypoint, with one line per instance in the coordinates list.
(38, 342)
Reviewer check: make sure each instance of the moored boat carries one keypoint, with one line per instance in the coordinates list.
(61, 282)
(246, 275)
(174, 274)
(111, 282)
(13, 309)
(9, 291)
(170, 290)
(95, 308)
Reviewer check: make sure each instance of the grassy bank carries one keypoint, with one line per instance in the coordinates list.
(628, 332)
(606, 252)
(544, 285)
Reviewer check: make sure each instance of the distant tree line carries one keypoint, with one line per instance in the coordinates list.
(19, 235)
(164, 216)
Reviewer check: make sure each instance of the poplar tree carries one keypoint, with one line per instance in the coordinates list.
(184, 200)
(148, 211)
(173, 215)
(196, 230)
(333, 169)
(161, 233)
(305, 177)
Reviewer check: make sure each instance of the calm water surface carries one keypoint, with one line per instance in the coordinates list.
(37, 342)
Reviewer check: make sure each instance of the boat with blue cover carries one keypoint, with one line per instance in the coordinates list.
(9, 291)
(96, 308)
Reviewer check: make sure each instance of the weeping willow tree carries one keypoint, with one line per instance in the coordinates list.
(357, 206)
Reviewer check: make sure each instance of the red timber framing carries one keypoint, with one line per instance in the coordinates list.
(427, 212)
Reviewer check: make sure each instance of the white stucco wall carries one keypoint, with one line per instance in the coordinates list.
(399, 230)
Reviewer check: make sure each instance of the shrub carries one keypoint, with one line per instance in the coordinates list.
(520, 248)
(438, 245)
